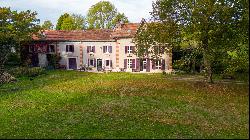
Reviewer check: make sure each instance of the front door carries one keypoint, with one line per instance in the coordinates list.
(72, 63)
(99, 64)
(143, 64)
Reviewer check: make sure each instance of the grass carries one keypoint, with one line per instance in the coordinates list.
(70, 104)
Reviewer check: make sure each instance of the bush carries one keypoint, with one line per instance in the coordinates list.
(26, 71)
(6, 78)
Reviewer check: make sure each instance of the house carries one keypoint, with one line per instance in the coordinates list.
(97, 49)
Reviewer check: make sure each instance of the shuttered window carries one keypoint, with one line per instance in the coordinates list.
(69, 48)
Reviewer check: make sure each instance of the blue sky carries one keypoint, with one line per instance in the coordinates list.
(135, 10)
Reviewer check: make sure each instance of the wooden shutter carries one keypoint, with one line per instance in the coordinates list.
(103, 49)
(163, 64)
(110, 49)
(110, 63)
(94, 62)
(153, 64)
(138, 64)
(133, 49)
(148, 65)
(126, 49)
(72, 48)
(88, 62)
(88, 49)
(67, 48)
(125, 63)
(133, 63)
(93, 49)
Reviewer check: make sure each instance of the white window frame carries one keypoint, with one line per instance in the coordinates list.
(158, 64)
(107, 51)
(130, 49)
(129, 63)
(108, 62)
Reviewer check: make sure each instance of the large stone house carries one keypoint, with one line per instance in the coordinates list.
(98, 49)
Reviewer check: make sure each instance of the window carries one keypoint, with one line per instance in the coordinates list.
(107, 49)
(31, 48)
(51, 48)
(90, 49)
(158, 64)
(129, 63)
(129, 49)
(107, 62)
(92, 62)
(69, 48)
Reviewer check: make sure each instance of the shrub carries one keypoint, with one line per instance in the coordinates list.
(6, 78)
(26, 71)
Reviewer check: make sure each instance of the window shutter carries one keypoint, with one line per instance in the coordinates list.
(163, 64)
(125, 63)
(67, 48)
(110, 63)
(133, 63)
(148, 65)
(72, 48)
(133, 49)
(93, 49)
(94, 62)
(88, 49)
(138, 64)
(88, 62)
(103, 49)
(110, 49)
(126, 49)
(153, 64)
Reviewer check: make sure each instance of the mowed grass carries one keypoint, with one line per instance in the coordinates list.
(70, 104)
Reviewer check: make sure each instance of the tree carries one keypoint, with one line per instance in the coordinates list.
(103, 15)
(120, 18)
(79, 22)
(47, 25)
(67, 24)
(16, 27)
(214, 25)
(60, 21)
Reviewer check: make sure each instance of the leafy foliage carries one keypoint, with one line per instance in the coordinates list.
(47, 25)
(16, 28)
(71, 22)
(27, 71)
(104, 15)
(215, 26)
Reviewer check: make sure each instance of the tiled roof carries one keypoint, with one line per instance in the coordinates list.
(125, 30)
(76, 35)
(122, 30)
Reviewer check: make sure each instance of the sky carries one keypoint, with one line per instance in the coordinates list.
(51, 10)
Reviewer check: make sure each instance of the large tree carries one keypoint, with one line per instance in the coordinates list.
(213, 24)
(60, 20)
(16, 27)
(71, 22)
(47, 25)
(104, 15)
(79, 21)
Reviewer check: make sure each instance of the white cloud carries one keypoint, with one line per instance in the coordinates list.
(135, 10)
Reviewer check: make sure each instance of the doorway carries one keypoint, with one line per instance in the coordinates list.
(72, 63)
(99, 64)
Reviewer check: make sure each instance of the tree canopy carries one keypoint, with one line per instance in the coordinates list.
(104, 15)
(16, 27)
(215, 26)
(47, 25)
(71, 22)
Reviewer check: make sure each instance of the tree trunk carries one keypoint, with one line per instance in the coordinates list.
(207, 61)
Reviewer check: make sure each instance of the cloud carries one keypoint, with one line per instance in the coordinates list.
(135, 10)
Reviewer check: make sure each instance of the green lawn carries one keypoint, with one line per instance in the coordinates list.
(70, 104)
